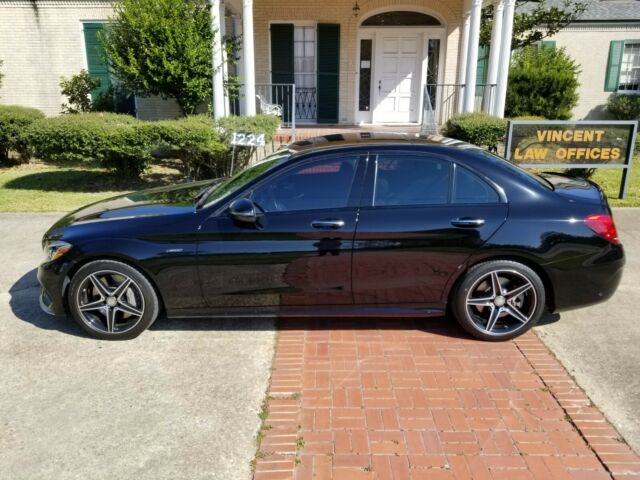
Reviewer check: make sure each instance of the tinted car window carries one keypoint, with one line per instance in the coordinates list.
(321, 184)
(403, 180)
(469, 188)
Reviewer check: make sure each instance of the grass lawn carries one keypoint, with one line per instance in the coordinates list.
(40, 187)
(47, 188)
(609, 180)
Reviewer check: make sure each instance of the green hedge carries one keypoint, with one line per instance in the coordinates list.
(267, 124)
(193, 140)
(477, 128)
(624, 107)
(125, 144)
(117, 142)
(13, 122)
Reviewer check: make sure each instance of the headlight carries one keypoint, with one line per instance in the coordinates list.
(55, 250)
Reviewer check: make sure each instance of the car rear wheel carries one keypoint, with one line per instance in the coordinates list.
(112, 300)
(499, 300)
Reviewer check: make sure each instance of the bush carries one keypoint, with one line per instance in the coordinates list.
(117, 142)
(477, 128)
(193, 140)
(267, 124)
(13, 121)
(542, 82)
(78, 89)
(624, 107)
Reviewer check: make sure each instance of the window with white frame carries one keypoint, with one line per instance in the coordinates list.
(304, 51)
(304, 66)
(630, 68)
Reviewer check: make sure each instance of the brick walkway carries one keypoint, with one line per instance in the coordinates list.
(404, 399)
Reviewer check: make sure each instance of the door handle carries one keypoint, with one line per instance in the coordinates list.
(379, 86)
(467, 222)
(328, 224)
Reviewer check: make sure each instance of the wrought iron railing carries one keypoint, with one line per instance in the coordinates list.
(442, 100)
(306, 103)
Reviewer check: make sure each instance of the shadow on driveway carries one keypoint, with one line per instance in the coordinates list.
(25, 306)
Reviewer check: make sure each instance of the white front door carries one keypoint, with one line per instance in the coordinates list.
(396, 82)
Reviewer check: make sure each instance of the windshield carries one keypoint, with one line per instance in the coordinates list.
(243, 177)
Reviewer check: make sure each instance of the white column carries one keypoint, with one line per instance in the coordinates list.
(505, 57)
(225, 65)
(237, 30)
(494, 55)
(218, 73)
(464, 49)
(472, 56)
(248, 58)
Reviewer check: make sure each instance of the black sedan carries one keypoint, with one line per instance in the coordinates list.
(350, 224)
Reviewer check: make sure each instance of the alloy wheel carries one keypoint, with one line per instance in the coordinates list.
(110, 302)
(501, 302)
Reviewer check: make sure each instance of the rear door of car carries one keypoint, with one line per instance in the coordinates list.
(422, 216)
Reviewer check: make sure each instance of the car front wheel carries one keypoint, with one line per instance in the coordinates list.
(499, 300)
(112, 300)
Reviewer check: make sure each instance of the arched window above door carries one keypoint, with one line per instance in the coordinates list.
(401, 19)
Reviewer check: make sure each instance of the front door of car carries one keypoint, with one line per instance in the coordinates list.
(297, 253)
(423, 216)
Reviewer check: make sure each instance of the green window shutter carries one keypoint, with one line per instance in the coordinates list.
(483, 69)
(612, 78)
(483, 64)
(548, 44)
(282, 65)
(328, 72)
(96, 58)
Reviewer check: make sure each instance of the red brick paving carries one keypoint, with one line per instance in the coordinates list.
(417, 399)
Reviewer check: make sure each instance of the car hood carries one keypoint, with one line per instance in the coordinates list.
(154, 202)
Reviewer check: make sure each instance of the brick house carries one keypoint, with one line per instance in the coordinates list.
(350, 62)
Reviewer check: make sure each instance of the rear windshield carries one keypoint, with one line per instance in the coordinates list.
(521, 172)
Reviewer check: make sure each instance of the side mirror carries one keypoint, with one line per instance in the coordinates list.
(243, 210)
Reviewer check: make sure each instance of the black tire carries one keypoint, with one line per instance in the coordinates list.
(133, 312)
(498, 319)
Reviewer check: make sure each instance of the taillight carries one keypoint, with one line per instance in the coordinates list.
(603, 225)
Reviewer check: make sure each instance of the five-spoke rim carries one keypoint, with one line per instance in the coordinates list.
(110, 302)
(501, 302)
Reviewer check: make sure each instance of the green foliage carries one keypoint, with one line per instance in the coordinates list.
(624, 107)
(116, 142)
(477, 128)
(534, 21)
(195, 141)
(78, 89)
(267, 124)
(13, 121)
(162, 47)
(542, 82)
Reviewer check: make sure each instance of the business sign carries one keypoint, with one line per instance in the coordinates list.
(572, 144)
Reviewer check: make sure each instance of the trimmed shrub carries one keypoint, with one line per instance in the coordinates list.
(14, 120)
(116, 142)
(624, 107)
(477, 128)
(193, 140)
(267, 124)
(542, 82)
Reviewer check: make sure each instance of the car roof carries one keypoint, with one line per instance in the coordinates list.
(378, 139)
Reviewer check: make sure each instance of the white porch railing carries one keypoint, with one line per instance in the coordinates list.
(442, 100)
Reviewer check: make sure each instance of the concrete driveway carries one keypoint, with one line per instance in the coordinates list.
(179, 402)
(600, 345)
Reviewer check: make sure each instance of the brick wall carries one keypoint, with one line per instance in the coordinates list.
(589, 46)
(340, 11)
